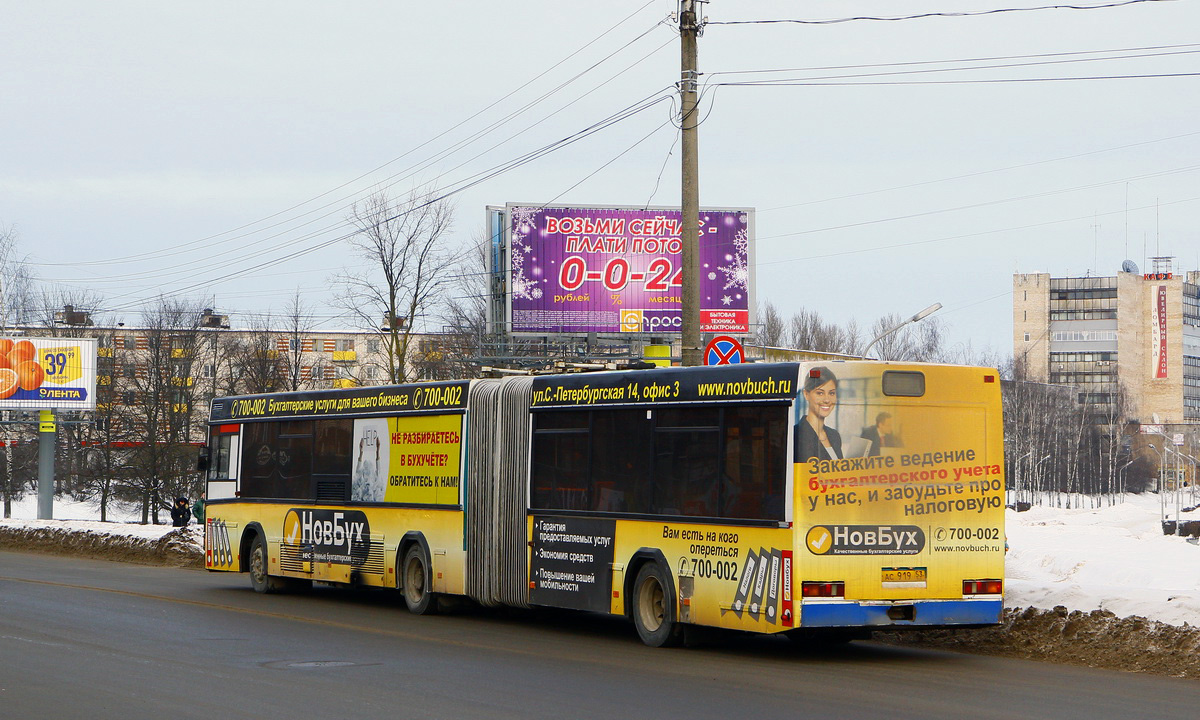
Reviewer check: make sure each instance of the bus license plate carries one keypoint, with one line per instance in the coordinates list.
(914, 577)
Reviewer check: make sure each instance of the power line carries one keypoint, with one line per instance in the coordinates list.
(988, 203)
(994, 58)
(188, 267)
(808, 83)
(981, 172)
(918, 16)
(912, 243)
(463, 185)
(964, 68)
(169, 251)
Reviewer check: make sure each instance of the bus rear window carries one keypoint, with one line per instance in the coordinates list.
(903, 383)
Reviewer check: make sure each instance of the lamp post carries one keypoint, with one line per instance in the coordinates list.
(1017, 480)
(1037, 465)
(1162, 500)
(1121, 477)
(915, 318)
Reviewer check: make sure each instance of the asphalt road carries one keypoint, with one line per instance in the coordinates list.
(83, 638)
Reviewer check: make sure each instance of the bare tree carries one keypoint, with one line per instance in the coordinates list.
(894, 339)
(161, 404)
(403, 243)
(464, 338)
(297, 321)
(255, 363)
(772, 327)
(16, 303)
(104, 441)
(17, 295)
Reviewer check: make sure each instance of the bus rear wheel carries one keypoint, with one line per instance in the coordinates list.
(418, 595)
(653, 611)
(260, 579)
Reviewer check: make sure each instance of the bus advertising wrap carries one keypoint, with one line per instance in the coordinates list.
(413, 460)
(619, 270)
(901, 475)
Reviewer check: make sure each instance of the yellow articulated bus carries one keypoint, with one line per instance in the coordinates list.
(795, 498)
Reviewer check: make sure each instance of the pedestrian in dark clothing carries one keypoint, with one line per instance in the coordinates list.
(198, 509)
(180, 514)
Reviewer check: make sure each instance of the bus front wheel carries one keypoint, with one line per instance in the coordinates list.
(418, 594)
(260, 579)
(653, 611)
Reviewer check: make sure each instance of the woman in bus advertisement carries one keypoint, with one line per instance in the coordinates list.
(813, 438)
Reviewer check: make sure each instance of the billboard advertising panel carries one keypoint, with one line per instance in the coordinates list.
(618, 270)
(39, 373)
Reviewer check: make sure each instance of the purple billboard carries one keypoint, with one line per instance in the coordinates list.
(611, 270)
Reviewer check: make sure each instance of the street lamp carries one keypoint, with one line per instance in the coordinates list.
(915, 318)
(1121, 477)
(1035, 473)
(1162, 491)
(1017, 479)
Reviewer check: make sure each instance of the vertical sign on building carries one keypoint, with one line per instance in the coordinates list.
(1158, 331)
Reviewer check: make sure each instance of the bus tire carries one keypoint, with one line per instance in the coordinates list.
(418, 593)
(653, 608)
(260, 578)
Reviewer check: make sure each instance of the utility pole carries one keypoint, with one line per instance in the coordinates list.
(689, 31)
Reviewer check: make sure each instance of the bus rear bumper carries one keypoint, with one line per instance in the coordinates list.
(916, 613)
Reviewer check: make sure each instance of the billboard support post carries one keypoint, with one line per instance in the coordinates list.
(47, 440)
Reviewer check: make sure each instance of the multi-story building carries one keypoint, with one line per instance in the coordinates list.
(195, 364)
(1137, 332)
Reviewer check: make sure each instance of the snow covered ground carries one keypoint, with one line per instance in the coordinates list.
(1113, 558)
(84, 517)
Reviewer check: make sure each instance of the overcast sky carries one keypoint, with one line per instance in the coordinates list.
(213, 148)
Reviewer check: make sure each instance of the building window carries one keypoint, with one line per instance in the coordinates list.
(373, 346)
(1026, 337)
(1083, 335)
(344, 345)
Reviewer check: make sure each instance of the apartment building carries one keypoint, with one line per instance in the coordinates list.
(1132, 330)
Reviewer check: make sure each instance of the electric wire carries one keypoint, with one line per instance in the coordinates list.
(918, 16)
(982, 233)
(183, 268)
(157, 253)
(981, 172)
(993, 58)
(964, 68)
(973, 206)
(463, 185)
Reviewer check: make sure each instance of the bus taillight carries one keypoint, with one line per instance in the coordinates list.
(983, 587)
(823, 589)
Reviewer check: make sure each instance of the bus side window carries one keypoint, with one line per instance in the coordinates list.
(755, 458)
(219, 449)
(622, 455)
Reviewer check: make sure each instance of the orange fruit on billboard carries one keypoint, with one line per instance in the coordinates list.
(6, 346)
(30, 375)
(8, 382)
(4, 363)
(22, 350)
